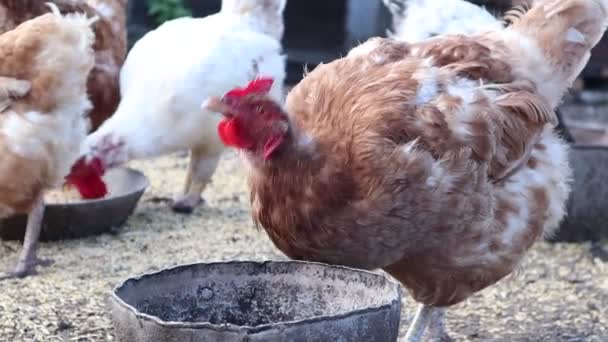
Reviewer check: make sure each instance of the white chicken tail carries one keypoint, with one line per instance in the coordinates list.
(54, 9)
(416, 20)
(551, 43)
(263, 15)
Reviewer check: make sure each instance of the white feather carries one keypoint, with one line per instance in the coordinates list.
(170, 72)
(423, 19)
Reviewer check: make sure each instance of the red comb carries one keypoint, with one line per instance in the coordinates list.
(87, 178)
(260, 86)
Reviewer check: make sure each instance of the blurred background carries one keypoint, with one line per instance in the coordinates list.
(320, 30)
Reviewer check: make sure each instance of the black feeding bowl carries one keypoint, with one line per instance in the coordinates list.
(257, 301)
(587, 217)
(86, 217)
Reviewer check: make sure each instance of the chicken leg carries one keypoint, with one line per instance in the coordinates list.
(203, 162)
(436, 330)
(428, 317)
(421, 320)
(27, 260)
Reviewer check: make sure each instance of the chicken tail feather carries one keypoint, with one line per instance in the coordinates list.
(93, 20)
(54, 9)
(555, 38)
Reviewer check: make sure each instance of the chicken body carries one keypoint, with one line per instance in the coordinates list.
(416, 20)
(110, 44)
(171, 70)
(435, 161)
(419, 154)
(44, 64)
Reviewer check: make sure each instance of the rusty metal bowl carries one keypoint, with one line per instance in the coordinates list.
(257, 301)
(87, 217)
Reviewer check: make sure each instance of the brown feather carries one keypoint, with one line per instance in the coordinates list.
(44, 66)
(415, 152)
(110, 45)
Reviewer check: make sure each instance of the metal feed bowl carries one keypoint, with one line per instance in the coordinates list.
(257, 301)
(87, 217)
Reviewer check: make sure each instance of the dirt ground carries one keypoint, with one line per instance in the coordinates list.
(561, 293)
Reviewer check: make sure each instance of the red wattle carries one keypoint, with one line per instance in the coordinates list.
(222, 132)
(231, 134)
(271, 145)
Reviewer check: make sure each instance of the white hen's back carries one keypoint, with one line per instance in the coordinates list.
(423, 19)
(172, 70)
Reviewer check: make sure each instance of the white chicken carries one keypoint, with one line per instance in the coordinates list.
(416, 20)
(170, 71)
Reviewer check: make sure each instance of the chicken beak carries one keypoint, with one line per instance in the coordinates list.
(215, 104)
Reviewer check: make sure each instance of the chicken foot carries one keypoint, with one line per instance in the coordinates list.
(427, 317)
(28, 260)
(202, 165)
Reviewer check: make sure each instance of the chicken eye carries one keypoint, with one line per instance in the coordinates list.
(258, 109)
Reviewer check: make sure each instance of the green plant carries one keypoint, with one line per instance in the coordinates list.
(163, 10)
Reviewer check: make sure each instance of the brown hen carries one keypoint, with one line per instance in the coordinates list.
(44, 66)
(110, 44)
(436, 161)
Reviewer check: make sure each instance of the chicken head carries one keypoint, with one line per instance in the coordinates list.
(252, 121)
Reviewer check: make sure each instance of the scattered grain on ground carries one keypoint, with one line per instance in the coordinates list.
(561, 293)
